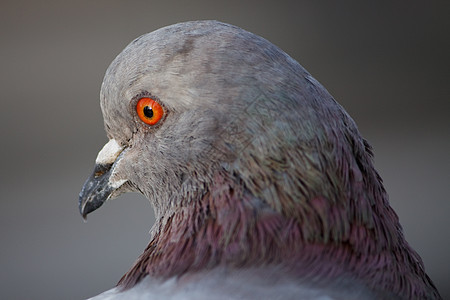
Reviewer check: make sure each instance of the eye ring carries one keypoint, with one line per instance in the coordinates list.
(149, 111)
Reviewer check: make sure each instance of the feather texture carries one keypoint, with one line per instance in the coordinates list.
(261, 183)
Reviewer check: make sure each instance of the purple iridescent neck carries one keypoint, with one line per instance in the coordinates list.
(229, 227)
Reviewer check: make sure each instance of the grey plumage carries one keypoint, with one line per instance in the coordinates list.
(260, 181)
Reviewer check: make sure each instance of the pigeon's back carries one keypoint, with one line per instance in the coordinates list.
(258, 283)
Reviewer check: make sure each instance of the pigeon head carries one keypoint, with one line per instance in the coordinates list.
(225, 95)
(247, 161)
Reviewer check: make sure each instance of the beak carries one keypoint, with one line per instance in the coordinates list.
(98, 188)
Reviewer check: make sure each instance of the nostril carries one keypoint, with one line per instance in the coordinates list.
(101, 169)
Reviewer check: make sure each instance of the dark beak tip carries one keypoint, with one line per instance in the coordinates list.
(95, 191)
(82, 211)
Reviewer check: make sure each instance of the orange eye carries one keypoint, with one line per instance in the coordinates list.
(149, 111)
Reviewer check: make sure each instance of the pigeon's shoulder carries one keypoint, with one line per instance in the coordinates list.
(243, 284)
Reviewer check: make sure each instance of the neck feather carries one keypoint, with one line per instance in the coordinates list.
(229, 227)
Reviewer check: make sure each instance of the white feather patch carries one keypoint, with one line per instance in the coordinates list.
(117, 184)
(109, 153)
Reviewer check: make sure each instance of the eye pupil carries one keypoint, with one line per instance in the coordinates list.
(148, 111)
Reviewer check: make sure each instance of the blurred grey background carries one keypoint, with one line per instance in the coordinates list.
(387, 64)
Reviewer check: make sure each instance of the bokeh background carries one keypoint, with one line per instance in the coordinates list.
(387, 64)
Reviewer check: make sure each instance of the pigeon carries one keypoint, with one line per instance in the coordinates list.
(261, 183)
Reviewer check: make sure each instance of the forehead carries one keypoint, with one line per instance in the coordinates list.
(186, 58)
(189, 65)
(171, 50)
